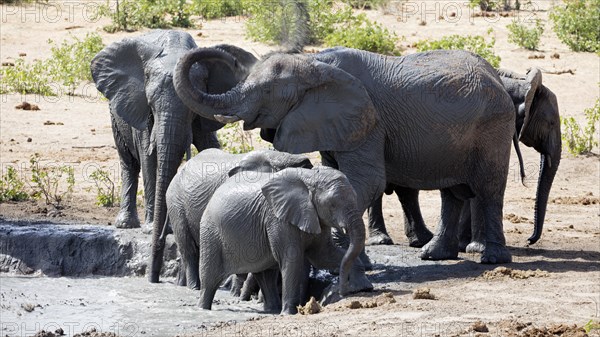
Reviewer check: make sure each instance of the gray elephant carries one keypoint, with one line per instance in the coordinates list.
(265, 222)
(194, 184)
(416, 121)
(537, 125)
(151, 125)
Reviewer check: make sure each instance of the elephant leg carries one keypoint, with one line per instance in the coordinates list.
(205, 140)
(325, 255)
(181, 278)
(414, 226)
(130, 170)
(249, 288)
(188, 249)
(237, 284)
(378, 234)
(464, 226)
(477, 243)
(210, 278)
(267, 281)
(148, 163)
(495, 244)
(444, 244)
(292, 274)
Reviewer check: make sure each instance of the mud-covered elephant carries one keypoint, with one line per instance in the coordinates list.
(152, 127)
(274, 221)
(194, 184)
(434, 120)
(537, 125)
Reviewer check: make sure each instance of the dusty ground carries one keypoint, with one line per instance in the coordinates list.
(517, 302)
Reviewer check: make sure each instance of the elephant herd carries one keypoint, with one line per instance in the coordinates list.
(441, 120)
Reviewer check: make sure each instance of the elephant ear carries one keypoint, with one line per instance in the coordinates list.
(290, 200)
(533, 82)
(118, 71)
(336, 113)
(254, 161)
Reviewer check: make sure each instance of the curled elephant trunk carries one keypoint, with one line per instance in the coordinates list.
(548, 167)
(356, 232)
(215, 107)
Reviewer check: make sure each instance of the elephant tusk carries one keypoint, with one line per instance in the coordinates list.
(227, 119)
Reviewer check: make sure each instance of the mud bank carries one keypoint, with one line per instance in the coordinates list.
(55, 249)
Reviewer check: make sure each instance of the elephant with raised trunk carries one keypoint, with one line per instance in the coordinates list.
(152, 127)
(272, 222)
(193, 186)
(537, 125)
(413, 121)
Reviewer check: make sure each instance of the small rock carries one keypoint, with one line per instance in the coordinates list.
(555, 56)
(310, 308)
(571, 227)
(199, 34)
(354, 305)
(29, 140)
(423, 294)
(27, 106)
(22, 54)
(49, 123)
(59, 332)
(422, 23)
(536, 56)
(479, 326)
(28, 307)
(8, 64)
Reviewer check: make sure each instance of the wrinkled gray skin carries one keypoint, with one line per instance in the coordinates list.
(152, 127)
(537, 125)
(194, 184)
(412, 121)
(285, 217)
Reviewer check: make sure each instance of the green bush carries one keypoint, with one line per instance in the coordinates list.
(475, 44)
(130, 15)
(577, 24)
(361, 33)
(105, 188)
(578, 140)
(333, 26)
(69, 65)
(49, 181)
(11, 186)
(367, 4)
(234, 139)
(217, 9)
(522, 36)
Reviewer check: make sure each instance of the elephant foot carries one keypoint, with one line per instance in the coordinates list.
(366, 262)
(148, 227)
(272, 309)
(439, 249)
(359, 283)
(181, 277)
(475, 247)
(127, 219)
(379, 238)
(495, 253)
(419, 240)
(289, 310)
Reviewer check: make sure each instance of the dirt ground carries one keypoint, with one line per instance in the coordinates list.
(549, 287)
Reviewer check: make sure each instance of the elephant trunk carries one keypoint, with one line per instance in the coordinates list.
(215, 107)
(356, 232)
(548, 166)
(170, 151)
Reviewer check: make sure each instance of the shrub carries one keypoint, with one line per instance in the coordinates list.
(528, 38)
(333, 26)
(361, 33)
(49, 181)
(577, 24)
(234, 139)
(367, 4)
(70, 62)
(105, 188)
(217, 9)
(68, 66)
(130, 15)
(576, 139)
(475, 44)
(11, 186)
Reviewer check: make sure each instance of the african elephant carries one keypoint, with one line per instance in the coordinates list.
(194, 184)
(136, 75)
(275, 220)
(413, 121)
(537, 125)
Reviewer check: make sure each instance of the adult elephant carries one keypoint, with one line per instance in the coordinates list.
(537, 125)
(414, 121)
(151, 125)
(193, 186)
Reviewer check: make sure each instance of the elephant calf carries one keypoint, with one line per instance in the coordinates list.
(194, 184)
(275, 221)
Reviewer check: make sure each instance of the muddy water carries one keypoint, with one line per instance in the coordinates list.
(128, 306)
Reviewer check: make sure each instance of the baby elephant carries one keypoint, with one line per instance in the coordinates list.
(258, 223)
(193, 186)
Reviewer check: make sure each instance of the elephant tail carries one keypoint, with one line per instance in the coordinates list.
(520, 158)
(167, 229)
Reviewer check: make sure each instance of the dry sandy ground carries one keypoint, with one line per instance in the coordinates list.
(566, 291)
